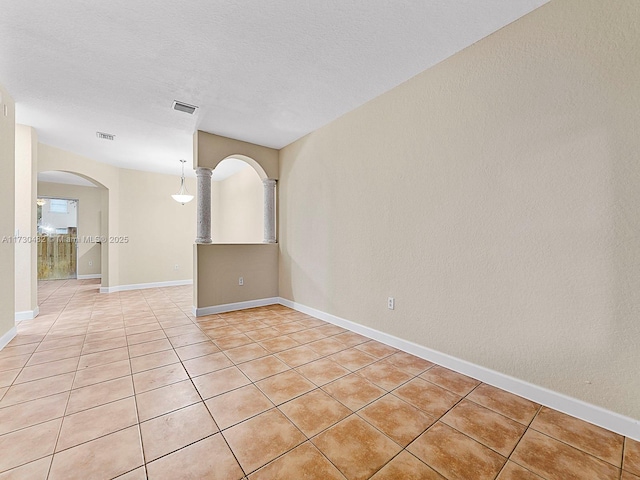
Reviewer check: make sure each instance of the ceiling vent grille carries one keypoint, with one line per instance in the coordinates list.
(184, 107)
(105, 136)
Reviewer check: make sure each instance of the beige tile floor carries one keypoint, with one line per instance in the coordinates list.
(130, 385)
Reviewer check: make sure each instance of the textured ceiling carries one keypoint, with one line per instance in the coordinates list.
(263, 72)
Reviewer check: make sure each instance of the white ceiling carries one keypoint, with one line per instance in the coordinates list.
(264, 72)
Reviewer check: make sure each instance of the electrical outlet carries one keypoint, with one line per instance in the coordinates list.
(391, 303)
(91, 263)
(241, 281)
(176, 266)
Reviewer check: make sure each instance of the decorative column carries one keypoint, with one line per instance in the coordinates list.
(204, 204)
(269, 210)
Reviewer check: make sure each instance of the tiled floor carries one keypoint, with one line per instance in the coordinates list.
(131, 385)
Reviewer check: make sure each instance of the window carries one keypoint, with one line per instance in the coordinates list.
(58, 206)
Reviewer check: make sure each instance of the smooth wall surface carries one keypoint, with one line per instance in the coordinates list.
(7, 211)
(496, 197)
(89, 220)
(219, 268)
(26, 253)
(237, 208)
(161, 231)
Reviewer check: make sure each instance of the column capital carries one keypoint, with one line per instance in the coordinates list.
(269, 182)
(204, 171)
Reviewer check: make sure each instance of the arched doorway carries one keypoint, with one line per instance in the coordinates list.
(69, 226)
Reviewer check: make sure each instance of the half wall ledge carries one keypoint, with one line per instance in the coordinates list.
(226, 275)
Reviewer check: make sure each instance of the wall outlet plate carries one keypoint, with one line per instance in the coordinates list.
(241, 281)
(391, 303)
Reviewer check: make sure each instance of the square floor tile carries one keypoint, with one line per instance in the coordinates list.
(260, 439)
(555, 460)
(149, 347)
(233, 341)
(175, 430)
(505, 403)
(36, 470)
(326, 346)
(284, 386)
(24, 392)
(406, 467)
(409, 363)
(103, 358)
(166, 399)
(354, 391)
(207, 459)
(28, 444)
(153, 360)
(632, 456)
(376, 349)
(159, 377)
(397, 419)
(96, 422)
(206, 364)
(101, 373)
(322, 371)
(356, 448)
(303, 462)
(485, 426)
(455, 455)
(353, 359)
(246, 353)
(196, 350)
(220, 381)
(452, 381)
(263, 367)
(513, 471)
(585, 436)
(237, 405)
(263, 334)
(45, 370)
(428, 397)
(104, 457)
(99, 394)
(278, 344)
(314, 411)
(297, 356)
(31, 413)
(385, 375)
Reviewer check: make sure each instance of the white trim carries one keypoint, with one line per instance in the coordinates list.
(27, 314)
(7, 337)
(141, 286)
(604, 418)
(88, 276)
(230, 307)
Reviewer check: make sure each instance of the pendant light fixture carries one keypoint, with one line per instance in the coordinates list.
(183, 195)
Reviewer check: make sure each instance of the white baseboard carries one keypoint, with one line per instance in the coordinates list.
(141, 286)
(27, 314)
(7, 337)
(88, 276)
(615, 422)
(230, 307)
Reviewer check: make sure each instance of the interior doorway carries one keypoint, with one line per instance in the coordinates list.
(57, 238)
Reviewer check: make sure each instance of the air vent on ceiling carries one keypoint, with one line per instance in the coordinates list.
(105, 136)
(184, 107)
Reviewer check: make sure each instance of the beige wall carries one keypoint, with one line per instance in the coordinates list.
(89, 220)
(161, 231)
(26, 253)
(139, 206)
(7, 212)
(237, 208)
(210, 149)
(496, 197)
(219, 268)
